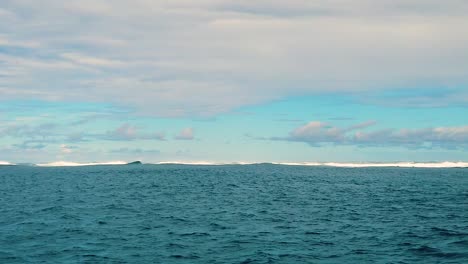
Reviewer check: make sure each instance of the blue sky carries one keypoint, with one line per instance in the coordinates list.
(226, 81)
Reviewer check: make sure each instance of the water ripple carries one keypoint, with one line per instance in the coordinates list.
(259, 213)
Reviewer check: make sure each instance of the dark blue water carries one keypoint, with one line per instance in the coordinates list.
(232, 214)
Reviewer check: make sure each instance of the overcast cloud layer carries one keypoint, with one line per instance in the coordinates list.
(201, 58)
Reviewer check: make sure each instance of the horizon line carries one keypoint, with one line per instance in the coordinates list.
(403, 164)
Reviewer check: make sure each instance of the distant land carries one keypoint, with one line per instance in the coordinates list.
(135, 163)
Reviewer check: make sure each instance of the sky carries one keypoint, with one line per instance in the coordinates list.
(234, 81)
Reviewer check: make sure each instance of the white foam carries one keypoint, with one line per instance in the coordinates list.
(212, 163)
(445, 164)
(191, 162)
(74, 164)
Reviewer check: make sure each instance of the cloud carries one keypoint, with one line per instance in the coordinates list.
(39, 136)
(76, 137)
(128, 132)
(362, 125)
(5, 42)
(29, 145)
(185, 134)
(41, 131)
(319, 133)
(316, 132)
(29, 137)
(220, 55)
(92, 61)
(445, 137)
(135, 151)
(124, 132)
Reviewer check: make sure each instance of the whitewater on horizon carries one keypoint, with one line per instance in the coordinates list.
(444, 164)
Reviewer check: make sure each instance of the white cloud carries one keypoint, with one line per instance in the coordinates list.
(451, 137)
(124, 132)
(4, 41)
(92, 61)
(64, 149)
(318, 133)
(41, 131)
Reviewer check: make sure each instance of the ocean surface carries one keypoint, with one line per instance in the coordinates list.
(260, 213)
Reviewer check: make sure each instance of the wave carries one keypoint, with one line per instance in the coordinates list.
(203, 163)
(74, 164)
(445, 164)
(5, 163)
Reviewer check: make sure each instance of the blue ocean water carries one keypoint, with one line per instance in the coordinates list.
(232, 214)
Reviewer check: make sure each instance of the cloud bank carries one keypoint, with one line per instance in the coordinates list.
(182, 58)
(128, 132)
(317, 133)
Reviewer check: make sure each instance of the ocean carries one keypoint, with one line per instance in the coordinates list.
(259, 213)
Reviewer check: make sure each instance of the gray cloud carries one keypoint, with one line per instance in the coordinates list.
(319, 133)
(445, 137)
(361, 125)
(77, 137)
(29, 137)
(42, 131)
(220, 55)
(127, 132)
(135, 151)
(29, 145)
(49, 133)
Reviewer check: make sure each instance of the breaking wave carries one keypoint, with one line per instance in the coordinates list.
(191, 163)
(445, 164)
(70, 164)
